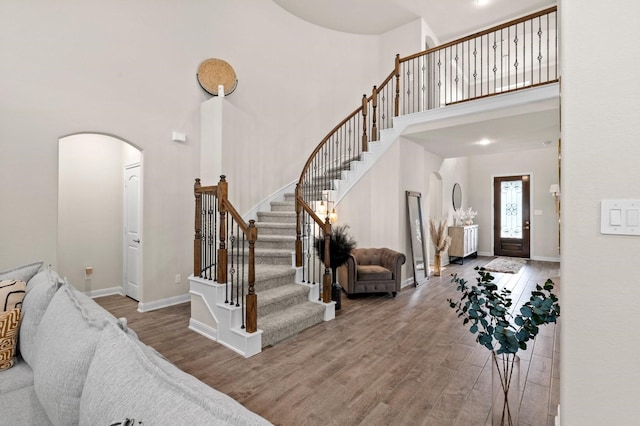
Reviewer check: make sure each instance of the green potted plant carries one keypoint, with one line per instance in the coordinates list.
(340, 246)
(487, 309)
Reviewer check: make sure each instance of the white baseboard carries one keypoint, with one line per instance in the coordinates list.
(163, 303)
(203, 329)
(546, 259)
(105, 292)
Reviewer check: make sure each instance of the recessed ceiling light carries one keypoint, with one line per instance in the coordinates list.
(482, 2)
(484, 142)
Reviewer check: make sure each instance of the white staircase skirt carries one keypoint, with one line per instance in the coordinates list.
(220, 321)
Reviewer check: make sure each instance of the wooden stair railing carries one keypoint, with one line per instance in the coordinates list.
(216, 220)
(516, 55)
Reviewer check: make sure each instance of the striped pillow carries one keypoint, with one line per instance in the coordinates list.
(11, 294)
(9, 322)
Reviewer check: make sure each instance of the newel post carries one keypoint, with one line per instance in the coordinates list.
(364, 124)
(223, 194)
(252, 297)
(298, 227)
(197, 246)
(396, 107)
(326, 279)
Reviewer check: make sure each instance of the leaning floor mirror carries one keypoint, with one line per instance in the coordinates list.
(416, 230)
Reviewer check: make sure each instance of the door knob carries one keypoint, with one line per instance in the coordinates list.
(136, 241)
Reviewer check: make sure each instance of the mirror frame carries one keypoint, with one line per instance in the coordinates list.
(456, 195)
(417, 238)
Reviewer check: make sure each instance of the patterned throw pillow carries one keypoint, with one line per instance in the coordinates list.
(9, 322)
(11, 294)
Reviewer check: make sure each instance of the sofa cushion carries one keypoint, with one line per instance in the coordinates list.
(40, 290)
(129, 380)
(11, 294)
(22, 407)
(18, 376)
(9, 326)
(64, 346)
(373, 273)
(22, 273)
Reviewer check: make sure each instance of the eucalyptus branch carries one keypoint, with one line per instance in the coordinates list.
(487, 309)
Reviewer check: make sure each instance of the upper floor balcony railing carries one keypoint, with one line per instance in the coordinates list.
(518, 54)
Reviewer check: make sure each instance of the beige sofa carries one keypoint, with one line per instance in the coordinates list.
(80, 365)
(372, 270)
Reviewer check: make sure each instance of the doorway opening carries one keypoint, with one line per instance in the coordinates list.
(95, 212)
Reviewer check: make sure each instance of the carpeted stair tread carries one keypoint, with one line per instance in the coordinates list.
(276, 237)
(280, 325)
(280, 298)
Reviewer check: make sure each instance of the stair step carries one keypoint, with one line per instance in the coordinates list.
(281, 325)
(283, 206)
(276, 242)
(273, 256)
(271, 276)
(277, 217)
(280, 298)
(276, 228)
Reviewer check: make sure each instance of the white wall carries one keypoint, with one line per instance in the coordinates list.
(90, 205)
(600, 151)
(129, 69)
(90, 209)
(542, 164)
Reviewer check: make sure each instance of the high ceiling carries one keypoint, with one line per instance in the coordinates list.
(448, 19)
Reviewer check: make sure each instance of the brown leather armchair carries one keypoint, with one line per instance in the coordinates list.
(372, 270)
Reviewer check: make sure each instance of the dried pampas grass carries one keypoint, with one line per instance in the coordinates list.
(439, 237)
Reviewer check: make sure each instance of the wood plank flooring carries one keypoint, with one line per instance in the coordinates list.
(406, 360)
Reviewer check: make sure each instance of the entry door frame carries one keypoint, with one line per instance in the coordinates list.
(494, 231)
(126, 288)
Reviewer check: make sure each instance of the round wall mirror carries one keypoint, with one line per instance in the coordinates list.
(457, 196)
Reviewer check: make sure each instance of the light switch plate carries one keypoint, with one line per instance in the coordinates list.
(620, 217)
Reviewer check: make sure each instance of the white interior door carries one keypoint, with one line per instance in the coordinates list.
(133, 248)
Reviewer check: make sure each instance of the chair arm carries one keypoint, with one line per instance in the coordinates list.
(347, 274)
(393, 261)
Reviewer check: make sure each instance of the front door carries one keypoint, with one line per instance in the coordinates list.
(132, 231)
(511, 216)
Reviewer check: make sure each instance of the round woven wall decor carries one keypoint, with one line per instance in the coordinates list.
(214, 72)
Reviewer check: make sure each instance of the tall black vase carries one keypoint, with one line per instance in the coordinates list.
(336, 289)
(336, 294)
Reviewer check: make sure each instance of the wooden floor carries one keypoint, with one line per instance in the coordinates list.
(406, 360)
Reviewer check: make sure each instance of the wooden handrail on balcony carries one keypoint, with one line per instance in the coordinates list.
(515, 55)
(214, 216)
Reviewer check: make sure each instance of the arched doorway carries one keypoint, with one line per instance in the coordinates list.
(99, 203)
